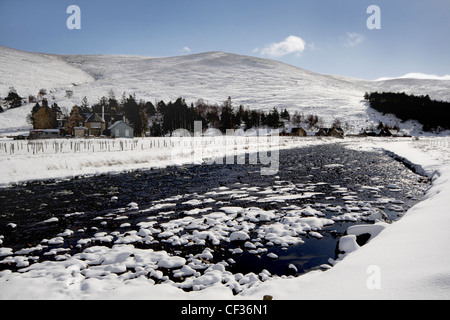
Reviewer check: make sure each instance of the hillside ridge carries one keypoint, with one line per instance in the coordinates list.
(253, 82)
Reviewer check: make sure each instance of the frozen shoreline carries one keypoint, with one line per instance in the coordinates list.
(408, 256)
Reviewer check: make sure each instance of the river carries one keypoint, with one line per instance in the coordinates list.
(286, 224)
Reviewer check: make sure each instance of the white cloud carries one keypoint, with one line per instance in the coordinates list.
(186, 49)
(353, 39)
(291, 44)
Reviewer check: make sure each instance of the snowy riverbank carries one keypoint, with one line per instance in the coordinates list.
(22, 161)
(407, 260)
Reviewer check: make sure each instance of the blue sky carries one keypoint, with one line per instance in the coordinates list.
(325, 36)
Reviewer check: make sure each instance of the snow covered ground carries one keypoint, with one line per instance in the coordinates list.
(405, 260)
(30, 72)
(13, 122)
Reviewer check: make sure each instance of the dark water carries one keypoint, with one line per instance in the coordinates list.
(340, 177)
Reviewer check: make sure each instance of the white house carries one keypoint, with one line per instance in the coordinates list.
(121, 129)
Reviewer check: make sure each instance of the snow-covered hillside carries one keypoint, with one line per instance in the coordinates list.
(214, 76)
(30, 72)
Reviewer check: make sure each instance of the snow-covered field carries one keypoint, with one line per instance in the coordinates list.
(405, 260)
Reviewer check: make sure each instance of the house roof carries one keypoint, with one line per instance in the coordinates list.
(93, 117)
(292, 130)
(331, 129)
(325, 130)
(118, 123)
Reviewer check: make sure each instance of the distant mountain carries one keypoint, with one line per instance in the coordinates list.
(421, 76)
(213, 76)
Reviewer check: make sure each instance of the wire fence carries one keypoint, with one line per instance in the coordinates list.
(58, 146)
(74, 146)
(437, 142)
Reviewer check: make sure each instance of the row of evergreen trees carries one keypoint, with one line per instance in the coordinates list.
(165, 118)
(179, 115)
(161, 119)
(432, 114)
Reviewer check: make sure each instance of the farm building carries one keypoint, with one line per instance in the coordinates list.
(330, 132)
(294, 132)
(384, 132)
(80, 132)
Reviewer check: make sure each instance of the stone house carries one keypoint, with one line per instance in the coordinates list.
(75, 121)
(44, 118)
(96, 125)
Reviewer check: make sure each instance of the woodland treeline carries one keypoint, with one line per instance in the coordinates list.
(433, 115)
(161, 118)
